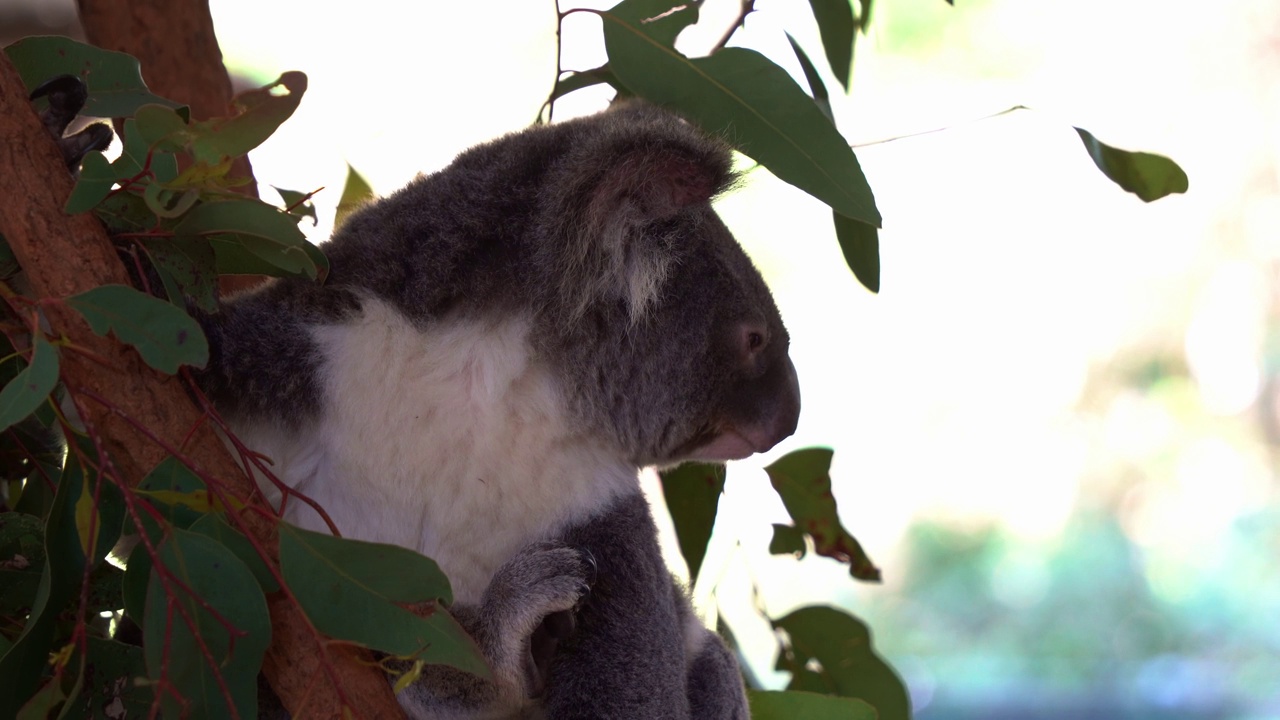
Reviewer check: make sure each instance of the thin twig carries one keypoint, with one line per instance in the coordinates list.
(992, 116)
(747, 7)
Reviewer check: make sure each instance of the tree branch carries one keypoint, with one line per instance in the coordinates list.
(63, 255)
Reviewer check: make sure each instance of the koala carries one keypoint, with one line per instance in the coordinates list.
(66, 95)
(499, 348)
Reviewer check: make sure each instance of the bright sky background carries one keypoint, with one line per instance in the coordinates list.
(1012, 268)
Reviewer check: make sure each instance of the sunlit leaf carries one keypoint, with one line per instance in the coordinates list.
(780, 705)
(224, 584)
(165, 336)
(258, 113)
(834, 648)
(353, 591)
(803, 481)
(31, 387)
(860, 244)
(355, 192)
(753, 103)
(114, 79)
(836, 27)
(692, 492)
(1146, 175)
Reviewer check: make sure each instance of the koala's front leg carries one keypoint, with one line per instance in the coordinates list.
(525, 613)
(67, 95)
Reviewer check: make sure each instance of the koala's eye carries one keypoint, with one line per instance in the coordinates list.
(754, 341)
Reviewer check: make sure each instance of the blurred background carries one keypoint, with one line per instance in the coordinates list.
(1055, 428)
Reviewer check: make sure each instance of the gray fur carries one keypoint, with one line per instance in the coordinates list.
(663, 343)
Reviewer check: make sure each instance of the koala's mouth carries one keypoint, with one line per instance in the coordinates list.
(729, 443)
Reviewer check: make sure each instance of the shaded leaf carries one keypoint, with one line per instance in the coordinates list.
(1146, 175)
(790, 705)
(834, 648)
(31, 387)
(661, 20)
(167, 202)
(170, 648)
(125, 212)
(161, 127)
(754, 104)
(860, 244)
(96, 180)
(355, 192)
(263, 230)
(864, 15)
(803, 482)
(230, 538)
(298, 204)
(43, 703)
(165, 336)
(352, 591)
(169, 482)
(111, 690)
(113, 79)
(692, 492)
(578, 80)
(258, 113)
(191, 264)
(836, 27)
(133, 156)
(816, 88)
(788, 540)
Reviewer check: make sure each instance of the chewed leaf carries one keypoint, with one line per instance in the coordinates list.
(830, 651)
(803, 481)
(1147, 175)
(787, 540)
(165, 336)
(26, 391)
(258, 113)
(114, 79)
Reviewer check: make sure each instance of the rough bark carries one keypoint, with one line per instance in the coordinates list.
(63, 255)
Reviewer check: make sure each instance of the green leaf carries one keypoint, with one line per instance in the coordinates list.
(258, 113)
(172, 478)
(192, 265)
(1146, 175)
(164, 335)
(133, 155)
(583, 79)
(112, 689)
(125, 212)
(352, 590)
(864, 15)
(298, 204)
(263, 230)
(8, 261)
(661, 20)
(31, 387)
(836, 648)
(816, 88)
(227, 536)
(170, 647)
(788, 540)
(160, 127)
(97, 177)
(21, 560)
(167, 202)
(836, 26)
(692, 492)
(778, 705)
(355, 192)
(860, 244)
(753, 103)
(803, 481)
(114, 79)
(44, 702)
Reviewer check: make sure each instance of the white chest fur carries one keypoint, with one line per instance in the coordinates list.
(452, 442)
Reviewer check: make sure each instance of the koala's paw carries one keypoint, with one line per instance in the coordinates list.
(530, 608)
(67, 95)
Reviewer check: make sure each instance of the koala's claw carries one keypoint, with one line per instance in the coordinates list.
(67, 95)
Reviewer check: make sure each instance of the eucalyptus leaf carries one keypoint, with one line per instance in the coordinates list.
(298, 204)
(836, 27)
(353, 590)
(787, 540)
(258, 113)
(753, 103)
(803, 481)
(192, 265)
(692, 492)
(816, 88)
(263, 230)
(660, 20)
(860, 244)
(165, 336)
(113, 79)
(96, 180)
(171, 649)
(31, 387)
(355, 192)
(235, 541)
(1146, 175)
(825, 645)
(791, 705)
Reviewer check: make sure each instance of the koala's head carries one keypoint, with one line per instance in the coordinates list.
(669, 340)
